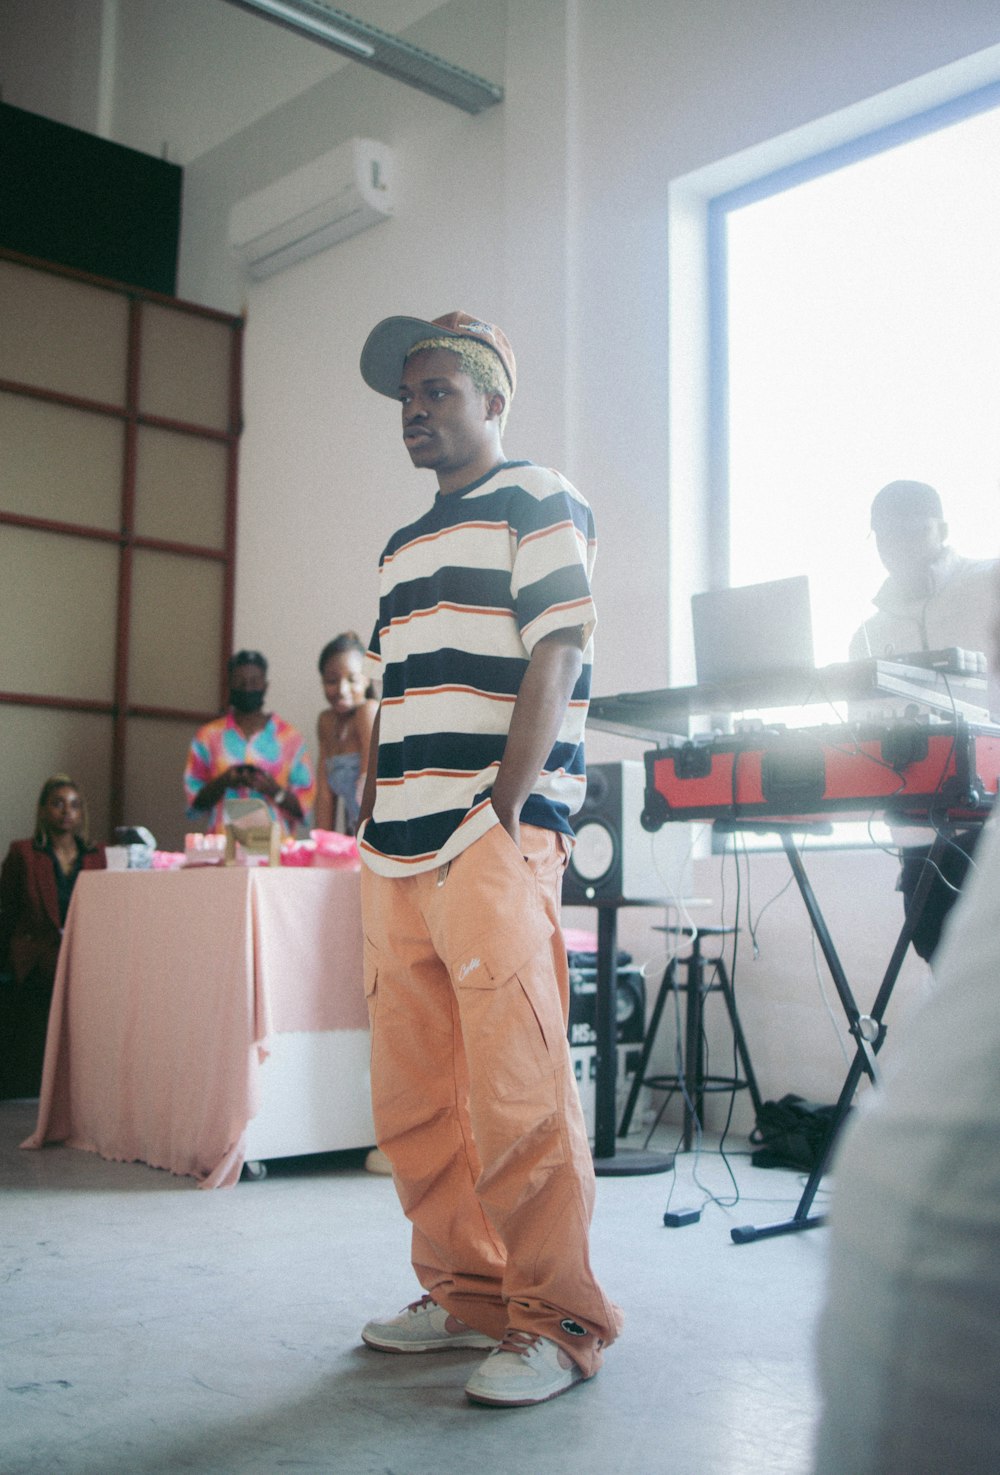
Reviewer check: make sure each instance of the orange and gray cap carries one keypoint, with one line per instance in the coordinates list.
(390, 341)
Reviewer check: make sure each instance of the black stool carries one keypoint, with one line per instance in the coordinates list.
(704, 976)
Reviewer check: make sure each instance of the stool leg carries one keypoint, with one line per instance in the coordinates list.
(694, 1046)
(666, 984)
(741, 1045)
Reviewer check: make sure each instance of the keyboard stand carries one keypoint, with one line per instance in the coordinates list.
(867, 1030)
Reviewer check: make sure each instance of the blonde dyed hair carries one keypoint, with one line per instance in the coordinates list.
(481, 364)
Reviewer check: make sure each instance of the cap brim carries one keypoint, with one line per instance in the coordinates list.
(386, 347)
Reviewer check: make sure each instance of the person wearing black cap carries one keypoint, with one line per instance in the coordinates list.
(933, 599)
(483, 648)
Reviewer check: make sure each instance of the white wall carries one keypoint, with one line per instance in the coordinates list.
(51, 59)
(549, 213)
(324, 475)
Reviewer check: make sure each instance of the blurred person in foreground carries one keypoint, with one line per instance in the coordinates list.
(483, 647)
(909, 1340)
(36, 886)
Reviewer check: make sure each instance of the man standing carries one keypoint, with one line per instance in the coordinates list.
(483, 649)
(933, 599)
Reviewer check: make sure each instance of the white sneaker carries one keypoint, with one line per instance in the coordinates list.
(423, 1326)
(524, 1369)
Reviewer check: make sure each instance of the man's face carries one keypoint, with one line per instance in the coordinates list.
(447, 425)
(247, 678)
(908, 545)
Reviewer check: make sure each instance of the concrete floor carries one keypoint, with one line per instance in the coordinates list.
(147, 1326)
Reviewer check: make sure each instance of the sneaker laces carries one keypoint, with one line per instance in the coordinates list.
(420, 1305)
(518, 1342)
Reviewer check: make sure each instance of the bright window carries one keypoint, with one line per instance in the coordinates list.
(857, 323)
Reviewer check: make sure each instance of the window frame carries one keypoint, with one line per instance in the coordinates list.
(719, 207)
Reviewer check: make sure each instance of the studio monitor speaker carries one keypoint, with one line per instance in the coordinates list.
(614, 858)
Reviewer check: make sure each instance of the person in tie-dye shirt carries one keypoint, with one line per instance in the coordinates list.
(249, 754)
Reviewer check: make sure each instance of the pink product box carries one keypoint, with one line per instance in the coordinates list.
(334, 850)
(204, 850)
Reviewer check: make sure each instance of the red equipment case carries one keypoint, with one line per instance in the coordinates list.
(905, 769)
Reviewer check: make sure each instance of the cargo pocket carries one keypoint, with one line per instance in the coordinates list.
(511, 1017)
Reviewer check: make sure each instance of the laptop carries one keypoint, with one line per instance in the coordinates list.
(753, 630)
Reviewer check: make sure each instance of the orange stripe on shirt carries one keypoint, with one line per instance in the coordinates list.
(434, 691)
(493, 611)
(556, 527)
(427, 538)
(412, 773)
(561, 608)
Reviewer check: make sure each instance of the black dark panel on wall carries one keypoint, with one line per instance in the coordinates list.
(72, 198)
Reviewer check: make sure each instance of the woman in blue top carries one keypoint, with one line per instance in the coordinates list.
(344, 732)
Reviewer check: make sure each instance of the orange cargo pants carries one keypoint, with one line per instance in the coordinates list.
(473, 1093)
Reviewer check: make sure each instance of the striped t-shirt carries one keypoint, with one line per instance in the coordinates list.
(465, 593)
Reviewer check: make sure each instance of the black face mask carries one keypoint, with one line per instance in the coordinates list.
(246, 701)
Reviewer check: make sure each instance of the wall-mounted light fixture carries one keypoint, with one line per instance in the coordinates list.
(377, 49)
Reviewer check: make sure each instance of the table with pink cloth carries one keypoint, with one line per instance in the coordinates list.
(208, 1016)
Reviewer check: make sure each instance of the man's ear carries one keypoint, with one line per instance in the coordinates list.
(495, 405)
(944, 532)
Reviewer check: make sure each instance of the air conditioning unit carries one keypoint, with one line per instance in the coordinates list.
(314, 207)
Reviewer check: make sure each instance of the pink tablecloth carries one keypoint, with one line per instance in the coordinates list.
(169, 985)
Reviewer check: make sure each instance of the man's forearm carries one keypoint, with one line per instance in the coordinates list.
(371, 776)
(544, 695)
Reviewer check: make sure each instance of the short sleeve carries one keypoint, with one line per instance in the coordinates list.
(553, 565)
(197, 771)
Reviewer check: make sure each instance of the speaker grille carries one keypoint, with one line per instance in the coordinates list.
(614, 858)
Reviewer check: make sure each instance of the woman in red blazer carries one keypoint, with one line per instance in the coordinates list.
(36, 884)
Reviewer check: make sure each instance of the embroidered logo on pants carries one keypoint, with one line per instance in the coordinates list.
(469, 967)
(573, 1328)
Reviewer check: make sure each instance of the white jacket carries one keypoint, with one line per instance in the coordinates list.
(956, 612)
